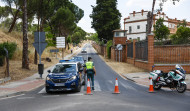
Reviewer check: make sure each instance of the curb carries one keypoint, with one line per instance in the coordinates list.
(20, 92)
(128, 78)
(3, 80)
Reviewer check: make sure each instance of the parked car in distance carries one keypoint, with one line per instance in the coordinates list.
(83, 51)
(79, 59)
(64, 76)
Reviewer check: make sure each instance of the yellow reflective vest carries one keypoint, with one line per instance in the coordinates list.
(89, 65)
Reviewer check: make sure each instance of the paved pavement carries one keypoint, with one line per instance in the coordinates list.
(142, 78)
(27, 84)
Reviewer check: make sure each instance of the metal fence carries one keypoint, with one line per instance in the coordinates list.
(172, 54)
(141, 50)
(130, 50)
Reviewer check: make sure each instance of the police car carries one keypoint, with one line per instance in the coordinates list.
(65, 76)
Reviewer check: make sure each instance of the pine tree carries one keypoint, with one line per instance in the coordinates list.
(105, 18)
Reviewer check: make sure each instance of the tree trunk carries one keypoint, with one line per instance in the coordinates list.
(151, 17)
(14, 21)
(25, 60)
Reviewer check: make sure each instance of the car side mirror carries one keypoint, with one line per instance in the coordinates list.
(49, 71)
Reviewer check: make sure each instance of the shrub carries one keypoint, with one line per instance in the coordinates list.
(11, 47)
(1, 60)
(108, 47)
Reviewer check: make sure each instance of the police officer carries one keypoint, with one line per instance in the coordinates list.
(90, 70)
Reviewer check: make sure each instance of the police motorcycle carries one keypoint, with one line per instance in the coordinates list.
(173, 79)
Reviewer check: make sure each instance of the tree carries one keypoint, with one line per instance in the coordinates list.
(161, 31)
(4, 12)
(182, 36)
(78, 35)
(25, 59)
(150, 14)
(105, 18)
(184, 24)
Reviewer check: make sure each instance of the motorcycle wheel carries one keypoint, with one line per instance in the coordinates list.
(156, 87)
(182, 88)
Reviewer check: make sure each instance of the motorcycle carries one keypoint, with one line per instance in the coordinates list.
(172, 79)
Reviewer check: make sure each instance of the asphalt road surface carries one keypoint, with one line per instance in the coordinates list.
(133, 97)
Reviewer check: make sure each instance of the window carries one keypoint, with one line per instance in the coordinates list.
(138, 26)
(130, 29)
(146, 28)
(130, 38)
(138, 38)
(117, 34)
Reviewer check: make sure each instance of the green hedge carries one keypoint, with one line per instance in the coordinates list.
(108, 47)
(11, 47)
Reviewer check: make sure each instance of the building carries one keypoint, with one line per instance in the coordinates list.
(136, 24)
(119, 37)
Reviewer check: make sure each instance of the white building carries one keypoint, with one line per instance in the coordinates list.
(136, 24)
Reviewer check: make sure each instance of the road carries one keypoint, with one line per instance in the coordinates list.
(133, 97)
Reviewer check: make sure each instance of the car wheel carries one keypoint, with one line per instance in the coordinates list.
(77, 89)
(47, 90)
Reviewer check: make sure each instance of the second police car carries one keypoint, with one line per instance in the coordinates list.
(65, 76)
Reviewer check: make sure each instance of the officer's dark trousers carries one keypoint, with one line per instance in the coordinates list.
(91, 78)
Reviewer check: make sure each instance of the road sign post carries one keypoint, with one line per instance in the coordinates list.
(7, 60)
(120, 48)
(60, 43)
(40, 45)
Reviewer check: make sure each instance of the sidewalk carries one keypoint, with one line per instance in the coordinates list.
(142, 78)
(27, 84)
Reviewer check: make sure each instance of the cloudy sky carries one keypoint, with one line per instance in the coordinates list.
(179, 11)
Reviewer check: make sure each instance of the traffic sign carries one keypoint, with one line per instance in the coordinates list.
(41, 35)
(42, 47)
(54, 50)
(119, 47)
(60, 42)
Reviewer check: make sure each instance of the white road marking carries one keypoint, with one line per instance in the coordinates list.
(111, 82)
(42, 91)
(127, 86)
(25, 98)
(78, 94)
(11, 97)
(97, 86)
(51, 96)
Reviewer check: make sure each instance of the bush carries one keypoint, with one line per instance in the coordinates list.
(108, 47)
(11, 47)
(1, 60)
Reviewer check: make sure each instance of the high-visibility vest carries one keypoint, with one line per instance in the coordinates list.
(89, 65)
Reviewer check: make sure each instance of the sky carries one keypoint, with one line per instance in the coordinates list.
(181, 10)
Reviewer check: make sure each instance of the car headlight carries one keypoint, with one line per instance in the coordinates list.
(73, 78)
(47, 78)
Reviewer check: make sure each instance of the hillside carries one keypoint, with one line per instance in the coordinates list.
(16, 72)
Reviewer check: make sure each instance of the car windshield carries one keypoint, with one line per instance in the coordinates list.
(78, 59)
(64, 68)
